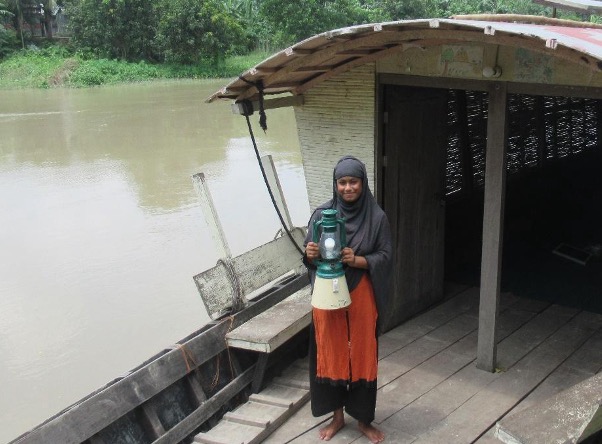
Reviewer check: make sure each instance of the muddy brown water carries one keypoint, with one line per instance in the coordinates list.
(101, 229)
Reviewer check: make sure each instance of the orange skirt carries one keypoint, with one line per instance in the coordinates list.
(347, 351)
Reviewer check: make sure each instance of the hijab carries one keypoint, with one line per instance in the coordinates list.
(367, 231)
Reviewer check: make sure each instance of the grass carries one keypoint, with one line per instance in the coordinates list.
(55, 67)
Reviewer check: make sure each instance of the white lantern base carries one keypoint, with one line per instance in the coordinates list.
(331, 293)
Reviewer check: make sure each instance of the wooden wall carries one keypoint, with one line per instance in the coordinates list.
(337, 119)
(466, 61)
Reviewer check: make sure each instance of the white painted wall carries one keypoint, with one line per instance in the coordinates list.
(337, 119)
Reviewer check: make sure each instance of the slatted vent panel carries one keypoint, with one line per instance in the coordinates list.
(540, 130)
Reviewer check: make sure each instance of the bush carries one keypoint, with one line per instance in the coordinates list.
(8, 42)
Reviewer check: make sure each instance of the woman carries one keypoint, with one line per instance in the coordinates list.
(343, 346)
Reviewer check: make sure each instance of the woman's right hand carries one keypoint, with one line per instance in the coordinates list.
(312, 251)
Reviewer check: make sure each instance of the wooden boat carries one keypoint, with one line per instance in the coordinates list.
(482, 138)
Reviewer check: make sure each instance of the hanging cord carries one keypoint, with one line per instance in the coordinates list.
(263, 120)
(248, 110)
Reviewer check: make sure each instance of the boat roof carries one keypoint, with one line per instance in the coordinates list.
(584, 6)
(306, 64)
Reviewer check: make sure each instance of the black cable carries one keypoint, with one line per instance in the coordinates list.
(265, 179)
(267, 184)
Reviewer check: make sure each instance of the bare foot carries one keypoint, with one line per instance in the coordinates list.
(372, 433)
(338, 421)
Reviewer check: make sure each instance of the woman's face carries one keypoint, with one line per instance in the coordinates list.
(349, 188)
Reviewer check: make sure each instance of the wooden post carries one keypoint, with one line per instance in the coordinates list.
(217, 233)
(272, 175)
(211, 217)
(493, 226)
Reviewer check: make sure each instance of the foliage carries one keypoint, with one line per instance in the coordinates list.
(121, 29)
(30, 68)
(294, 20)
(198, 38)
(493, 7)
(190, 30)
(56, 66)
(8, 42)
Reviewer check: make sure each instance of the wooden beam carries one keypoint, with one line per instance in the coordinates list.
(533, 89)
(427, 37)
(323, 68)
(493, 226)
(281, 102)
(207, 409)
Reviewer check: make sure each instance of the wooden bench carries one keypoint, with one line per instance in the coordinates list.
(571, 416)
(269, 330)
(244, 275)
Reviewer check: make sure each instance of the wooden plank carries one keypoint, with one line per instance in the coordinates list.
(295, 383)
(92, 414)
(228, 293)
(151, 421)
(411, 385)
(271, 400)
(418, 326)
(300, 422)
(493, 219)
(254, 269)
(246, 420)
(268, 262)
(421, 350)
(583, 363)
(281, 102)
(536, 89)
(206, 409)
(568, 417)
(474, 417)
(414, 185)
(272, 328)
(274, 182)
(437, 403)
(264, 412)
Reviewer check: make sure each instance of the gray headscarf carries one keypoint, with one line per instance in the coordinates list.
(367, 229)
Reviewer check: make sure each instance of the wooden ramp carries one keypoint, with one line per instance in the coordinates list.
(254, 421)
(430, 390)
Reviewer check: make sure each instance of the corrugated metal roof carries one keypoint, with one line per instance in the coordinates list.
(310, 62)
(586, 6)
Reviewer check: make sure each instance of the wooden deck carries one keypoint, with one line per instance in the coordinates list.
(430, 390)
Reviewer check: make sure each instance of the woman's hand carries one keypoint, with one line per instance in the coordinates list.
(349, 258)
(312, 251)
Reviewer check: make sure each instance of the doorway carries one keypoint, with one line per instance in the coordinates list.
(413, 184)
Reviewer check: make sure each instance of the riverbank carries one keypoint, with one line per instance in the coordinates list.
(54, 67)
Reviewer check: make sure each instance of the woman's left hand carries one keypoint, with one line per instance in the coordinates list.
(348, 256)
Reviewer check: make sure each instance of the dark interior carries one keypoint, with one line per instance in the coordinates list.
(553, 212)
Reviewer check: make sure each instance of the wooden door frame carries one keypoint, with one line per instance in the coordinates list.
(494, 194)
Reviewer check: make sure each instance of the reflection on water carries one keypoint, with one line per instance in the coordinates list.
(101, 231)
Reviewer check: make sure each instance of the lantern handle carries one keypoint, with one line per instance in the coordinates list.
(315, 236)
(341, 222)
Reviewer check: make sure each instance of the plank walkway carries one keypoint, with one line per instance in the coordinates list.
(430, 390)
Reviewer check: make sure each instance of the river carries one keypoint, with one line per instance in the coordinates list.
(101, 230)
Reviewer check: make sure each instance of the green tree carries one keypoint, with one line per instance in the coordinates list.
(8, 40)
(412, 9)
(122, 29)
(190, 30)
(294, 20)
